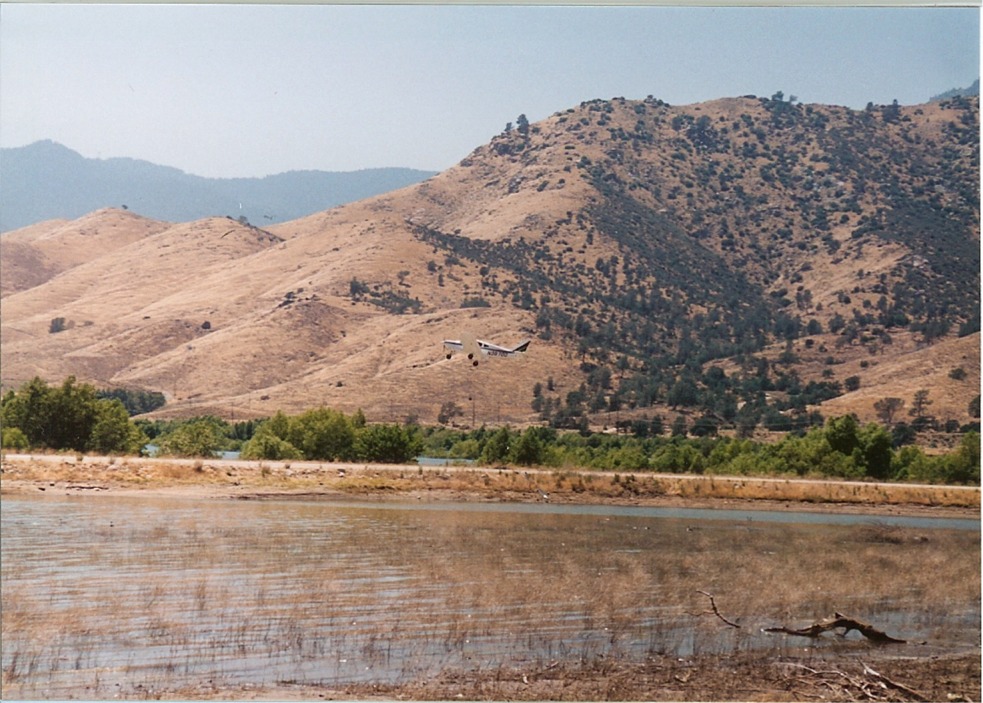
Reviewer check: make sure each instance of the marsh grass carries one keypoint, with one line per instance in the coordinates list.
(137, 595)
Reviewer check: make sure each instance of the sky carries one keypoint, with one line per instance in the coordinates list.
(252, 90)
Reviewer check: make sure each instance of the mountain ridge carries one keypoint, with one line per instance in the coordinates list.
(46, 180)
(731, 260)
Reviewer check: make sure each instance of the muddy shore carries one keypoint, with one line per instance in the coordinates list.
(872, 677)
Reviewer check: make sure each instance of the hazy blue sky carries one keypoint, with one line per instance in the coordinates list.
(247, 90)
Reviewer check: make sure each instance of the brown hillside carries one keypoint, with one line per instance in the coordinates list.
(34, 254)
(650, 240)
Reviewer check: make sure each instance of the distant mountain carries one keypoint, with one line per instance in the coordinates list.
(45, 180)
(973, 89)
(744, 262)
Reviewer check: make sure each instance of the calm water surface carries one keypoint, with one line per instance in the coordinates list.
(128, 594)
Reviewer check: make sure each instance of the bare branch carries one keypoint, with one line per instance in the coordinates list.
(881, 678)
(713, 604)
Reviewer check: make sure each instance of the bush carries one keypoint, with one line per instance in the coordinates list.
(475, 302)
(13, 438)
(266, 445)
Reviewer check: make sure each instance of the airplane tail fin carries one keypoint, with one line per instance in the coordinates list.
(522, 346)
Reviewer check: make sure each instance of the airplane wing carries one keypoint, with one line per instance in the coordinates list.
(488, 346)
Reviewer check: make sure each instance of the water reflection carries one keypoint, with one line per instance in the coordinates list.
(126, 594)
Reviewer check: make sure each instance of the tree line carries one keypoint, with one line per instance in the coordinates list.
(843, 448)
(73, 417)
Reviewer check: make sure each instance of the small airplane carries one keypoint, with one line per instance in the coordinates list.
(473, 347)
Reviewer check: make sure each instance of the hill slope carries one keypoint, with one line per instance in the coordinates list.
(742, 259)
(45, 180)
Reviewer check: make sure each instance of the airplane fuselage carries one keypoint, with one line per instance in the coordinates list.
(474, 346)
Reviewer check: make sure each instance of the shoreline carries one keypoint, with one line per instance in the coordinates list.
(52, 474)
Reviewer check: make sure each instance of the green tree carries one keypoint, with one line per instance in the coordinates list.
(528, 449)
(202, 437)
(886, 409)
(113, 432)
(683, 392)
(522, 125)
(842, 434)
(496, 449)
(30, 410)
(267, 445)
(323, 434)
(390, 444)
(73, 415)
(876, 446)
(679, 426)
(278, 426)
(963, 465)
(448, 411)
(919, 403)
(704, 426)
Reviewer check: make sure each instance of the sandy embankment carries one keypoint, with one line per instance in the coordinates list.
(60, 474)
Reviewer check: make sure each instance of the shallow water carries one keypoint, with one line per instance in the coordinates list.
(124, 595)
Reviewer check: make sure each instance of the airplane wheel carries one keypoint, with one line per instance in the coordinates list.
(474, 363)
(470, 356)
(447, 356)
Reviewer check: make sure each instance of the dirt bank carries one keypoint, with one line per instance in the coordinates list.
(61, 474)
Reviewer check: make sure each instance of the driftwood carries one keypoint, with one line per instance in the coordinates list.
(872, 686)
(835, 623)
(883, 680)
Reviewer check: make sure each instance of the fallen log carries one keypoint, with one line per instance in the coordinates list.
(837, 622)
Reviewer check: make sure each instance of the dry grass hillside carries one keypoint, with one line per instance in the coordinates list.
(34, 254)
(637, 243)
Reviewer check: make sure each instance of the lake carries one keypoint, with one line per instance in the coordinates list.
(111, 595)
